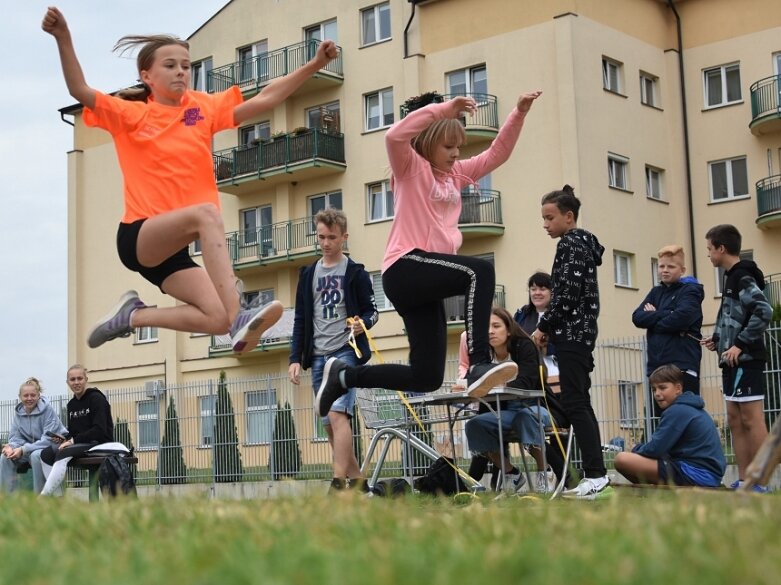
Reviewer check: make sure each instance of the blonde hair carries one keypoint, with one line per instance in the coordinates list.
(674, 251)
(144, 60)
(31, 381)
(446, 131)
(76, 367)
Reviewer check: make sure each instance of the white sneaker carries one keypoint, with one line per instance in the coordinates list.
(590, 488)
(546, 481)
(513, 482)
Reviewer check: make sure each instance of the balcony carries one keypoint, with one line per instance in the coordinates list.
(292, 157)
(481, 214)
(766, 106)
(769, 202)
(484, 125)
(254, 74)
(293, 241)
(454, 306)
(275, 339)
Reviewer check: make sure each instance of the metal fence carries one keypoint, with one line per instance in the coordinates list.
(265, 429)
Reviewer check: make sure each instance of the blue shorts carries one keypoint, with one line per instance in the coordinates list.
(684, 474)
(743, 384)
(346, 402)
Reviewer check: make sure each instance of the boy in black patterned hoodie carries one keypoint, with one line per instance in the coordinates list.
(571, 323)
(739, 339)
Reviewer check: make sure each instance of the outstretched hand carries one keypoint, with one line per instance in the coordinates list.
(526, 100)
(54, 22)
(326, 52)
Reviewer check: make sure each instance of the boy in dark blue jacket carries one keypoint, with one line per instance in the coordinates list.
(685, 449)
(329, 292)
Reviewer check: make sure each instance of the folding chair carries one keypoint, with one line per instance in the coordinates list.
(384, 413)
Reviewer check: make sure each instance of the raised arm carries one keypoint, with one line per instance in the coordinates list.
(278, 90)
(54, 24)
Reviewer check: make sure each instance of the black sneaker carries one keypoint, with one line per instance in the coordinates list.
(337, 485)
(481, 378)
(330, 388)
(358, 484)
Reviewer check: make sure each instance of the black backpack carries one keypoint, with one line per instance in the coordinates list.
(391, 488)
(115, 477)
(440, 479)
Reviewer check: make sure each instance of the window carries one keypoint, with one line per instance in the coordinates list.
(728, 179)
(379, 109)
(380, 201)
(375, 24)
(253, 62)
(744, 255)
(325, 31)
(199, 75)
(148, 424)
(256, 227)
(261, 411)
(250, 135)
(649, 94)
(618, 171)
(655, 271)
(611, 75)
(627, 397)
(265, 296)
(383, 304)
(207, 405)
(195, 247)
(468, 81)
(146, 335)
(326, 117)
(722, 85)
(622, 269)
(324, 200)
(653, 182)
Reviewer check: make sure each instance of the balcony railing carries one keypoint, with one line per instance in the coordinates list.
(769, 200)
(486, 117)
(454, 306)
(271, 156)
(773, 289)
(765, 104)
(480, 207)
(254, 73)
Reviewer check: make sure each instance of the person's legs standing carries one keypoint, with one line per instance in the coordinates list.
(7, 474)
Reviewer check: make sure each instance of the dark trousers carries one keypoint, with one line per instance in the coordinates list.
(417, 284)
(575, 365)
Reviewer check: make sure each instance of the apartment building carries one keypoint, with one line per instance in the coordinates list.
(664, 116)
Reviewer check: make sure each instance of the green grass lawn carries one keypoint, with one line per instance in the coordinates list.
(643, 537)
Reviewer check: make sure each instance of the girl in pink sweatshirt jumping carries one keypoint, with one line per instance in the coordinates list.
(421, 267)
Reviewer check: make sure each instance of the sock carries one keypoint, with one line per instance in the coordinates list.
(342, 380)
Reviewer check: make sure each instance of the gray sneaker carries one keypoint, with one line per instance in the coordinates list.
(250, 324)
(117, 322)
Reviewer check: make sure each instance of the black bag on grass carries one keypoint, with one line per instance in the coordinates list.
(115, 477)
(440, 479)
(391, 488)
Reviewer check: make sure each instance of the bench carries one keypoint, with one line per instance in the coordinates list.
(92, 464)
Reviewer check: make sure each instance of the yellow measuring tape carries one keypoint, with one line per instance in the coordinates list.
(351, 341)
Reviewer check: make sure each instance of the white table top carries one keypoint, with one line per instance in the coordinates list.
(501, 394)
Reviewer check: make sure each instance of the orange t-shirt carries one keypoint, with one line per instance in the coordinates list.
(165, 152)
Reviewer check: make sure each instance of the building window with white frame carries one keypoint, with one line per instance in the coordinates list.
(199, 75)
(250, 135)
(627, 400)
(375, 24)
(261, 411)
(325, 31)
(382, 302)
(722, 85)
(253, 62)
(622, 269)
(728, 179)
(323, 201)
(655, 272)
(207, 406)
(378, 107)
(148, 424)
(653, 182)
(256, 226)
(649, 90)
(618, 171)
(261, 297)
(145, 335)
(380, 201)
(611, 75)
(469, 81)
(324, 117)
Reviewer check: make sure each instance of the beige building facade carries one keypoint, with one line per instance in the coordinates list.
(663, 116)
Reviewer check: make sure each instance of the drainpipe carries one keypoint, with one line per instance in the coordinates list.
(406, 28)
(687, 154)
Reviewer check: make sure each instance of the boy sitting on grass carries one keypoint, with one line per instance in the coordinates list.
(685, 449)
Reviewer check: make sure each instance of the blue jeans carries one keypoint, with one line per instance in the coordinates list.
(346, 402)
(482, 431)
(8, 475)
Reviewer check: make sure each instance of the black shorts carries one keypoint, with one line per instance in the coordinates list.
(743, 384)
(127, 238)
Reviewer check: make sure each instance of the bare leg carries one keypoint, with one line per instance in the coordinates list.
(752, 420)
(163, 235)
(345, 463)
(740, 441)
(636, 468)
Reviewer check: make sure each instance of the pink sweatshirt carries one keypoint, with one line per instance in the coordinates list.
(427, 203)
